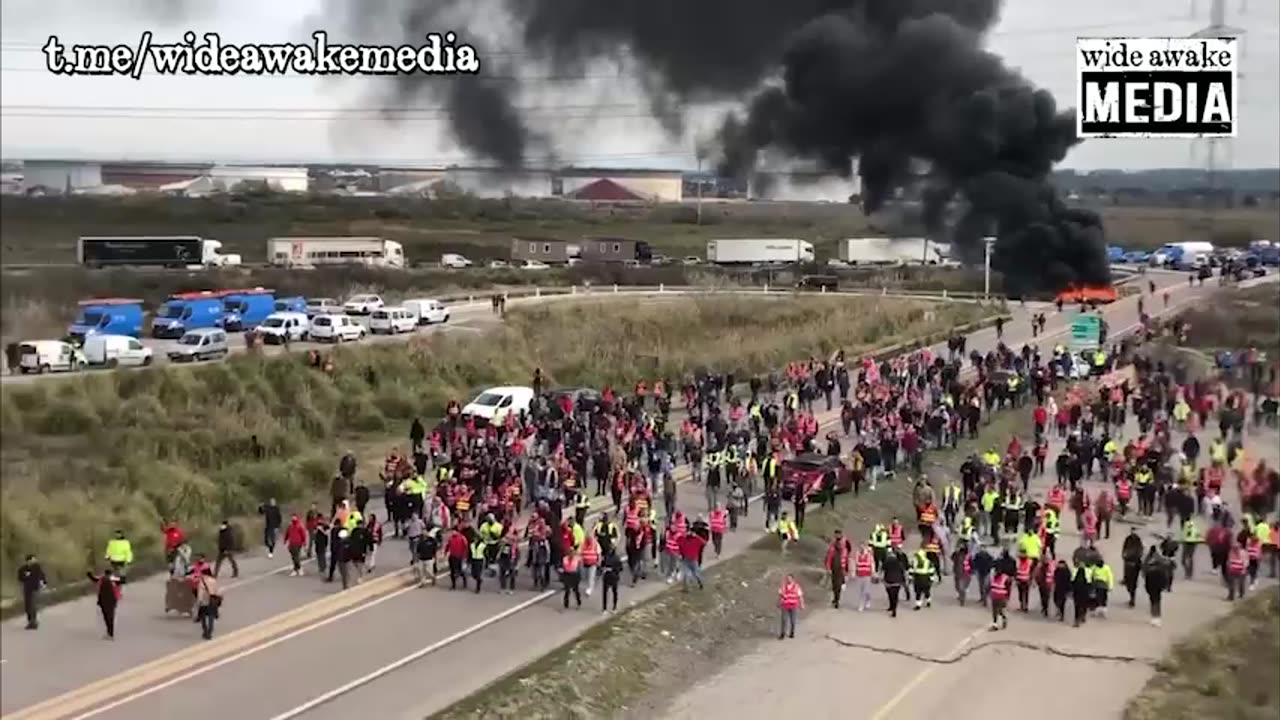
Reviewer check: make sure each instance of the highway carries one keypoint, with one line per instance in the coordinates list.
(466, 316)
(292, 647)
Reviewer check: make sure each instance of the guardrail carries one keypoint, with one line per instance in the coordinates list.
(480, 297)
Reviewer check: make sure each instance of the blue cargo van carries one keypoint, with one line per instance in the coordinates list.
(297, 304)
(107, 316)
(187, 311)
(246, 309)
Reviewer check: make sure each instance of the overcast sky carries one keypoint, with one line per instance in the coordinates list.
(258, 120)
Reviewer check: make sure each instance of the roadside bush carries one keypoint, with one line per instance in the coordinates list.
(128, 449)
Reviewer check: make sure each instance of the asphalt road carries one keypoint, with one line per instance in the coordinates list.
(798, 676)
(381, 648)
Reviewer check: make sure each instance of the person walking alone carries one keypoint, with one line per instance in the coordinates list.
(790, 602)
(999, 596)
(271, 523)
(228, 544)
(31, 578)
(109, 595)
(208, 602)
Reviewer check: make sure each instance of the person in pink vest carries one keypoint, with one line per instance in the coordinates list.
(718, 520)
(790, 602)
(590, 556)
(863, 569)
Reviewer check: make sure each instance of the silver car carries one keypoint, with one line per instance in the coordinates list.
(201, 344)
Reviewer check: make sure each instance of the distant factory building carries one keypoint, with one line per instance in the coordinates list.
(60, 176)
(409, 181)
(616, 185)
(276, 178)
(496, 183)
(151, 175)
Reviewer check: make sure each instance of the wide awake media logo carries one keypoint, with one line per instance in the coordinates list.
(1156, 87)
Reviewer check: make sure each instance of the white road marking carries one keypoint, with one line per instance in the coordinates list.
(412, 657)
(897, 699)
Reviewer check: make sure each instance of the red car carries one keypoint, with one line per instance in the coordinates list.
(809, 469)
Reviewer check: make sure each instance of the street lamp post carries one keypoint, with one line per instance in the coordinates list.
(987, 242)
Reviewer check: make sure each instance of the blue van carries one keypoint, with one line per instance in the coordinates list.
(187, 311)
(297, 304)
(246, 309)
(107, 316)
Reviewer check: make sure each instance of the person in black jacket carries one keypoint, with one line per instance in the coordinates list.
(1061, 588)
(1081, 595)
(1157, 570)
(31, 578)
(228, 545)
(359, 542)
(894, 574)
(108, 583)
(337, 552)
(612, 574)
(982, 564)
(272, 521)
(1131, 553)
(320, 541)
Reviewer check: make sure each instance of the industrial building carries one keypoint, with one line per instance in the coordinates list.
(617, 185)
(60, 176)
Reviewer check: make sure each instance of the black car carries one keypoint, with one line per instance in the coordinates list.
(584, 399)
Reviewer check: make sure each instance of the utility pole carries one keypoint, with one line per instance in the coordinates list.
(1217, 152)
(701, 155)
(987, 243)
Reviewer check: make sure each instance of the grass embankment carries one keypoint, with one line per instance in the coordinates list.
(83, 456)
(633, 664)
(44, 229)
(41, 302)
(1227, 669)
(1238, 319)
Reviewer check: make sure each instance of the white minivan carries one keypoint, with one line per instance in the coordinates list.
(428, 311)
(115, 350)
(362, 304)
(281, 327)
(392, 321)
(335, 328)
(200, 344)
(42, 356)
(493, 405)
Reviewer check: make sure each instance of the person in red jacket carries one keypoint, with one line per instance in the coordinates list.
(691, 545)
(174, 537)
(457, 550)
(295, 540)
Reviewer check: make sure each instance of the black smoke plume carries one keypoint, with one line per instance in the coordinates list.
(900, 92)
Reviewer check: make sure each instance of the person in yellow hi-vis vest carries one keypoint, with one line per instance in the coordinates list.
(787, 531)
(119, 552)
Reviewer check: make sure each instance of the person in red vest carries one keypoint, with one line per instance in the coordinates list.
(571, 576)
(863, 570)
(1236, 570)
(999, 600)
(718, 521)
(1040, 416)
(837, 564)
(790, 602)
(1025, 566)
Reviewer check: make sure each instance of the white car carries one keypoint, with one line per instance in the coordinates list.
(392, 321)
(691, 260)
(534, 265)
(336, 328)
(322, 306)
(454, 261)
(428, 311)
(282, 327)
(493, 405)
(498, 265)
(115, 350)
(362, 304)
(42, 356)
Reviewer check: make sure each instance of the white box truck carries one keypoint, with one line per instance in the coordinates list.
(316, 251)
(759, 251)
(892, 251)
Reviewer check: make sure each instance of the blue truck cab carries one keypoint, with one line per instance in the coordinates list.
(246, 309)
(107, 316)
(187, 311)
(297, 304)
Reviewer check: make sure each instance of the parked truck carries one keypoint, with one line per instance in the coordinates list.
(892, 251)
(769, 251)
(316, 251)
(182, 251)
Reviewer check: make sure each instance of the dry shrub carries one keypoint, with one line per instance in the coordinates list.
(141, 446)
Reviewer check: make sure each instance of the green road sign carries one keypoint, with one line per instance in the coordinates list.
(1086, 331)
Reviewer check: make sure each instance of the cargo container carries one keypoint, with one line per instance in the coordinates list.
(316, 251)
(551, 252)
(616, 250)
(892, 251)
(153, 251)
(759, 251)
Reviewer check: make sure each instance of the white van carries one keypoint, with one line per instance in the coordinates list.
(454, 261)
(493, 405)
(427, 310)
(42, 356)
(335, 328)
(392, 321)
(115, 350)
(200, 344)
(281, 327)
